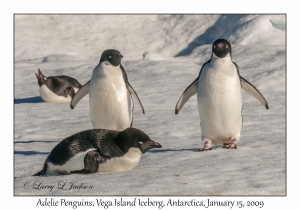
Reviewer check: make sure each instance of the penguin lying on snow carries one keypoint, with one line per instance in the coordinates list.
(110, 93)
(219, 98)
(98, 150)
(57, 88)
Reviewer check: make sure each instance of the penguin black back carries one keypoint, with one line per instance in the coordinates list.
(103, 140)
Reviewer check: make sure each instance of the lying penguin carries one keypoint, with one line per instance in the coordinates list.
(57, 88)
(219, 96)
(98, 150)
(110, 94)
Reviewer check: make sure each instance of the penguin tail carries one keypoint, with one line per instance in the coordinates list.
(41, 172)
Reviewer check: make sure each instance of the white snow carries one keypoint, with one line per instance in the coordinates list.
(177, 47)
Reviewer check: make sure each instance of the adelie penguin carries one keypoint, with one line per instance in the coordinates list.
(98, 150)
(219, 96)
(110, 93)
(57, 88)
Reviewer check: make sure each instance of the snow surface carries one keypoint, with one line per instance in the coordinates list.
(178, 45)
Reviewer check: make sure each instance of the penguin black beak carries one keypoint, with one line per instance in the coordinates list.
(155, 144)
(149, 145)
(39, 74)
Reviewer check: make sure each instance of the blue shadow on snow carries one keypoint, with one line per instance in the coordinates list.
(32, 141)
(27, 153)
(171, 150)
(30, 100)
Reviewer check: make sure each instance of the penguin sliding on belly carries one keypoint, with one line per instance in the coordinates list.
(110, 93)
(57, 88)
(219, 98)
(98, 150)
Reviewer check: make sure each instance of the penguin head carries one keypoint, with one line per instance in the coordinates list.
(132, 137)
(221, 47)
(112, 56)
(41, 78)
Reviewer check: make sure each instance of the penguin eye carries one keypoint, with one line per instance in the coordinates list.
(140, 142)
(45, 78)
(226, 46)
(110, 57)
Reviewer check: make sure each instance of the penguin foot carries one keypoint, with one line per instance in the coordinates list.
(231, 145)
(204, 149)
(207, 146)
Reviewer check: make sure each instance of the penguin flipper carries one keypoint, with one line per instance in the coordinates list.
(247, 86)
(189, 92)
(84, 90)
(132, 91)
(91, 162)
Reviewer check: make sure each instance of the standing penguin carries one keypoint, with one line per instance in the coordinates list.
(219, 98)
(57, 88)
(109, 92)
(98, 150)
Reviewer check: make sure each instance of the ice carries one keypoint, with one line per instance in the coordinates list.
(177, 46)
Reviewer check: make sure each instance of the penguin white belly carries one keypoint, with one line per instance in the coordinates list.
(75, 163)
(110, 101)
(220, 102)
(47, 95)
(127, 162)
